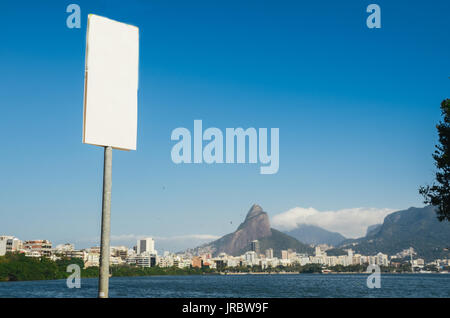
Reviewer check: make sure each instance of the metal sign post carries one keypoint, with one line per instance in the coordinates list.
(103, 283)
(110, 108)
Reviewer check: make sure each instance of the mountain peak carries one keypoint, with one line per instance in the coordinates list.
(256, 226)
(254, 210)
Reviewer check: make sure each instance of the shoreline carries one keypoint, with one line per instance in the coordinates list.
(328, 273)
(233, 274)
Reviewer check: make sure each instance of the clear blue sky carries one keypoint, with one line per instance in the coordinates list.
(356, 109)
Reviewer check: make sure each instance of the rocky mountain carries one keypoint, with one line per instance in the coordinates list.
(373, 229)
(256, 226)
(311, 234)
(415, 227)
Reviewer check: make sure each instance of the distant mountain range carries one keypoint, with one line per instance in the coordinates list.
(256, 226)
(311, 234)
(415, 227)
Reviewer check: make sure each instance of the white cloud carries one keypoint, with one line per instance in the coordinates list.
(351, 223)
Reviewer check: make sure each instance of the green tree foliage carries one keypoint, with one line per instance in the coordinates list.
(438, 194)
(349, 269)
(14, 267)
(18, 267)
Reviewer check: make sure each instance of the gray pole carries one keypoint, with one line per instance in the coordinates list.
(103, 283)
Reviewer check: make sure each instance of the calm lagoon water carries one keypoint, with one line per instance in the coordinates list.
(300, 285)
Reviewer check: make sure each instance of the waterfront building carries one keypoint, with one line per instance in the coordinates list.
(232, 262)
(9, 244)
(382, 259)
(146, 260)
(356, 259)
(92, 260)
(331, 261)
(75, 254)
(131, 260)
(184, 263)
(318, 251)
(250, 258)
(114, 260)
(120, 251)
(165, 261)
(42, 247)
(145, 245)
(197, 262)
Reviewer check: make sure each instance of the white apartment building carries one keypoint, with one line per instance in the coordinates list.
(9, 244)
(184, 263)
(92, 259)
(165, 261)
(119, 251)
(146, 260)
(232, 262)
(250, 258)
(382, 259)
(145, 245)
(273, 262)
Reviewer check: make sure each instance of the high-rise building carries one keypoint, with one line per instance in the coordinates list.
(9, 244)
(145, 245)
(250, 257)
(318, 251)
(3, 242)
(269, 253)
(284, 254)
(254, 246)
(349, 256)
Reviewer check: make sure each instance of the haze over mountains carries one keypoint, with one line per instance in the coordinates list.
(414, 227)
(311, 234)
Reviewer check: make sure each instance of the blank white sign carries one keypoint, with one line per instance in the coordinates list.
(111, 84)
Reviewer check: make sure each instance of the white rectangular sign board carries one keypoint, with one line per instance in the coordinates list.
(111, 84)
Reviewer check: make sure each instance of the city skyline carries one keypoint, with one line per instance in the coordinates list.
(143, 254)
(356, 110)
